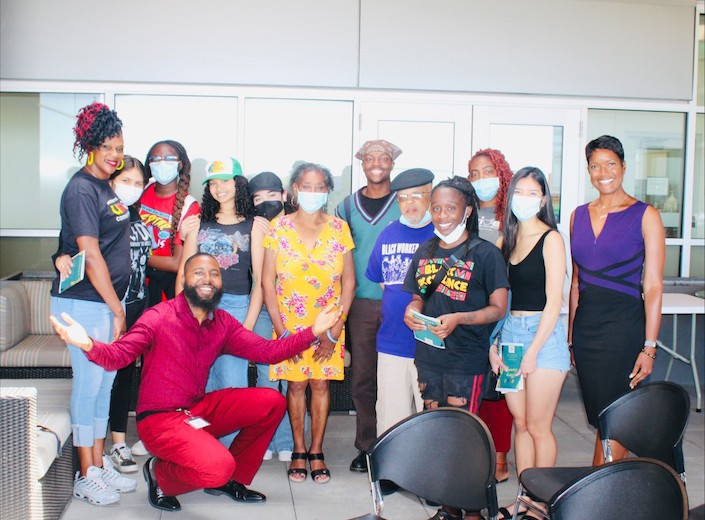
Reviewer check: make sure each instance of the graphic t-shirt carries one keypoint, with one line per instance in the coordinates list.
(230, 245)
(140, 249)
(89, 208)
(466, 287)
(389, 262)
(488, 224)
(157, 212)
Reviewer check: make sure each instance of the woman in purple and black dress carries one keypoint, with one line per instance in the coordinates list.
(618, 246)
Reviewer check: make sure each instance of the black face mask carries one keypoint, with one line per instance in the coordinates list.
(269, 209)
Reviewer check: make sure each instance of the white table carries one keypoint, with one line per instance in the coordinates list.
(675, 304)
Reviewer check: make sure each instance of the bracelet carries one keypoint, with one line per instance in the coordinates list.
(344, 317)
(651, 344)
(330, 337)
(652, 356)
(285, 334)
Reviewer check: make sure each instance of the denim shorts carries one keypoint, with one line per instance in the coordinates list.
(553, 355)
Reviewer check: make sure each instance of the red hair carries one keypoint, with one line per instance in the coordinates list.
(94, 124)
(504, 173)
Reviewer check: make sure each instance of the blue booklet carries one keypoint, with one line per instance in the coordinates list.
(509, 380)
(78, 272)
(426, 336)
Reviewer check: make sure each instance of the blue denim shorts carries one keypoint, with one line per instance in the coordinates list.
(553, 355)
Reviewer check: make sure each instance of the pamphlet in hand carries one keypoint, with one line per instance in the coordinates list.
(426, 336)
(78, 271)
(509, 380)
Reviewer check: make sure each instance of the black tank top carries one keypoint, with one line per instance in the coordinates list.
(528, 280)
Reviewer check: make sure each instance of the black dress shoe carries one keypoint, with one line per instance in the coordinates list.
(388, 487)
(359, 463)
(237, 492)
(156, 496)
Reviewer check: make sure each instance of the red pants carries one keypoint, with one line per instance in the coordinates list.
(499, 421)
(189, 459)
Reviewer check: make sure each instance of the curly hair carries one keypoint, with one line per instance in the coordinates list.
(465, 188)
(94, 124)
(243, 201)
(181, 187)
(504, 173)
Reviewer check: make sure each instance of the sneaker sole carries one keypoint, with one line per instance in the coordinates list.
(132, 468)
(90, 500)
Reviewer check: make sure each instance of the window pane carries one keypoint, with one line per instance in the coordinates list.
(673, 261)
(36, 156)
(698, 184)
(654, 145)
(533, 145)
(281, 132)
(701, 61)
(206, 126)
(697, 262)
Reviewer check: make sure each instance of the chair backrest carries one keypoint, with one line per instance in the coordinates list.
(650, 421)
(629, 488)
(445, 455)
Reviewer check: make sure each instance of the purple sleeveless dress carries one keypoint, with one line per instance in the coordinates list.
(610, 321)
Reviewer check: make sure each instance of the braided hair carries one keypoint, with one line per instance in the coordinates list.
(181, 187)
(94, 124)
(504, 173)
(243, 201)
(465, 188)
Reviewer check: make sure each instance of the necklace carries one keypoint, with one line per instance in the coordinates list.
(608, 207)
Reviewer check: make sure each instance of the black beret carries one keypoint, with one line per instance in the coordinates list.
(265, 181)
(412, 178)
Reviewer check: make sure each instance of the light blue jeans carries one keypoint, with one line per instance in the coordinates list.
(283, 439)
(92, 384)
(554, 353)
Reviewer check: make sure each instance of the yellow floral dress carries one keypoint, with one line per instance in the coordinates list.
(307, 282)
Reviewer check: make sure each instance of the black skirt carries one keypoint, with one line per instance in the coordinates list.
(608, 334)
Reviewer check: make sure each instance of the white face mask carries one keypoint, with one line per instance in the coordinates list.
(454, 235)
(524, 208)
(311, 202)
(164, 171)
(486, 189)
(127, 194)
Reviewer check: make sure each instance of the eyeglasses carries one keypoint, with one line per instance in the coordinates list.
(412, 196)
(158, 158)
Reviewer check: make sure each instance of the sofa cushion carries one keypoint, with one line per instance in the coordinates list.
(39, 292)
(14, 314)
(37, 350)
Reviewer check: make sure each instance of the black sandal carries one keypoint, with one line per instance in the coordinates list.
(298, 471)
(317, 473)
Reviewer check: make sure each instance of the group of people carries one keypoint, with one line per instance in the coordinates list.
(255, 261)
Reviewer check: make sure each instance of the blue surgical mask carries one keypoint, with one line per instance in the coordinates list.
(164, 171)
(311, 202)
(486, 189)
(425, 220)
(524, 208)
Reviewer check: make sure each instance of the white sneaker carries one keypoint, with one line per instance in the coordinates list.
(284, 456)
(121, 457)
(268, 455)
(139, 450)
(114, 479)
(94, 489)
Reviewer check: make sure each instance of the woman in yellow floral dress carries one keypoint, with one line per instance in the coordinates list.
(308, 265)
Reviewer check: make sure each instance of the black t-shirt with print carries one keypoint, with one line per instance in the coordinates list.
(466, 287)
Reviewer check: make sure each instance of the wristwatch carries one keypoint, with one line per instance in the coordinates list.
(648, 343)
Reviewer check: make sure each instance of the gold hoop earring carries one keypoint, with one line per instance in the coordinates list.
(89, 162)
(121, 165)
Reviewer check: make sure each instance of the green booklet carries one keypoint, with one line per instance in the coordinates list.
(509, 380)
(78, 271)
(426, 336)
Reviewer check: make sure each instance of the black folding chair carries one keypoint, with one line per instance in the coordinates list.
(649, 421)
(629, 488)
(445, 455)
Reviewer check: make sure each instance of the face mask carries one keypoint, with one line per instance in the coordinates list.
(425, 220)
(311, 202)
(128, 194)
(525, 208)
(269, 209)
(454, 235)
(164, 171)
(486, 189)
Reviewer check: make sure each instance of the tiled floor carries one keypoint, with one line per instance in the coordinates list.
(347, 495)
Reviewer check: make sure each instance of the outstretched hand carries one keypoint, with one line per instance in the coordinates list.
(326, 319)
(74, 333)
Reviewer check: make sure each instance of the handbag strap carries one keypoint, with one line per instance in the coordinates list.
(443, 271)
